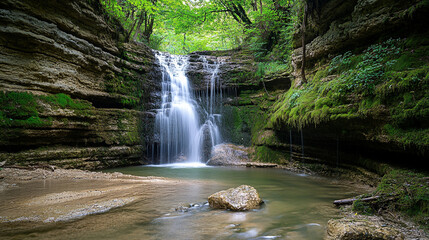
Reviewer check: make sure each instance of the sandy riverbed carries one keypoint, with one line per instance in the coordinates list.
(61, 195)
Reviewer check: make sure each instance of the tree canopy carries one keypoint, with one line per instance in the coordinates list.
(183, 26)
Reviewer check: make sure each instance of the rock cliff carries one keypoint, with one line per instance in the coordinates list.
(366, 96)
(336, 26)
(72, 93)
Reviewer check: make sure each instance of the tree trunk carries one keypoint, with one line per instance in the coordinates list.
(304, 80)
(130, 31)
(351, 200)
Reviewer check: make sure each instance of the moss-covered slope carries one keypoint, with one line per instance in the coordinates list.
(377, 95)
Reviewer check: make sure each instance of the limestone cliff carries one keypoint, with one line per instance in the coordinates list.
(335, 26)
(72, 94)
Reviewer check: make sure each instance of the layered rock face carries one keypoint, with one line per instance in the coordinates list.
(336, 25)
(235, 71)
(71, 93)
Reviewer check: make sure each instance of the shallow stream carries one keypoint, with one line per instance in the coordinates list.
(296, 207)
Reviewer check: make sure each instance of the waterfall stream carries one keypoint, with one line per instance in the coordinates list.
(187, 127)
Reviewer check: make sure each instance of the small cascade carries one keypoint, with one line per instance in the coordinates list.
(211, 105)
(290, 144)
(186, 127)
(302, 142)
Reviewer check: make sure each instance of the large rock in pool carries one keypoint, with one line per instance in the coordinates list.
(241, 198)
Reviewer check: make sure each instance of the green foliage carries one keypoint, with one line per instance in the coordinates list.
(370, 70)
(270, 37)
(340, 62)
(185, 26)
(267, 68)
(412, 192)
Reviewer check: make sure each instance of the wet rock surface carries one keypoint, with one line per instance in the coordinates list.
(384, 225)
(229, 155)
(241, 198)
(351, 229)
(236, 70)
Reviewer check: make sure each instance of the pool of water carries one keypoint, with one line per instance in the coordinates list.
(296, 207)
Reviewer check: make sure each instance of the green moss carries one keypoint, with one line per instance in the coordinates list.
(128, 82)
(417, 40)
(321, 73)
(20, 109)
(128, 133)
(243, 121)
(130, 102)
(387, 79)
(411, 59)
(269, 155)
(18, 105)
(416, 137)
(245, 78)
(362, 207)
(65, 101)
(411, 191)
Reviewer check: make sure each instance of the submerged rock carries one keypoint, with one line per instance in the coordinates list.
(241, 198)
(353, 229)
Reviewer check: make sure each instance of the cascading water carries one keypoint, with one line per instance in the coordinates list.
(181, 136)
(209, 134)
(177, 120)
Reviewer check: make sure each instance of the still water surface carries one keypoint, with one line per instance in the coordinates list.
(296, 207)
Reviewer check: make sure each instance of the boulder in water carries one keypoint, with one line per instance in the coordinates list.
(241, 198)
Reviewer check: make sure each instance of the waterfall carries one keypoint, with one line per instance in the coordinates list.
(186, 129)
